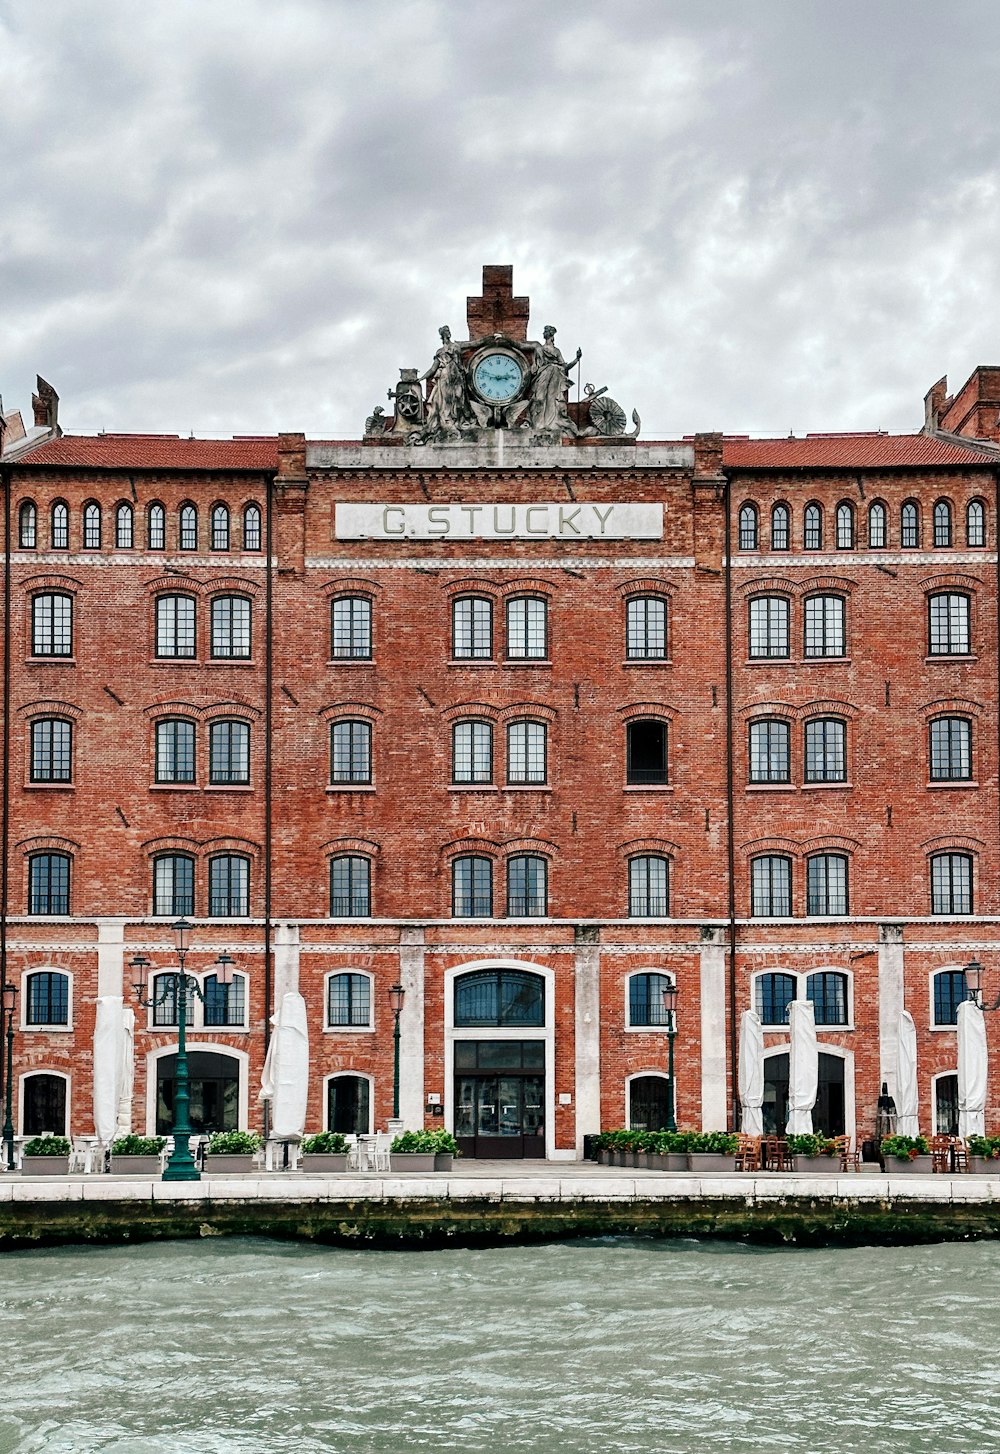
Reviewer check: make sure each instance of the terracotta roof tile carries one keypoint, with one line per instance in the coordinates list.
(850, 451)
(154, 452)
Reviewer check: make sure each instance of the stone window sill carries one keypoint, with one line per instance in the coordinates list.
(51, 661)
(836, 787)
(950, 658)
(956, 784)
(648, 788)
(49, 787)
(350, 787)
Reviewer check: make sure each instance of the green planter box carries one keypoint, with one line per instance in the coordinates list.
(45, 1166)
(411, 1160)
(323, 1161)
(135, 1165)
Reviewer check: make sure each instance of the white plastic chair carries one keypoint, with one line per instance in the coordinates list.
(380, 1151)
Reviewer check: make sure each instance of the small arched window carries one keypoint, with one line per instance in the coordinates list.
(780, 527)
(909, 526)
(942, 524)
(92, 526)
(828, 992)
(645, 1000)
(251, 527)
(220, 527)
(527, 887)
(812, 536)
(472, 887)
(228, 886)
(845, 526)
(48, 883)
(748, 527)
(60, 526)
(47, 998)
(500, 997)
(774, 993)
(27, 526)
(156, 527)
(123, 527)
(350, 887)
(348, 1105)
(975, 523)
(349, 1001)
(876, 525)
(648, 887)
(44, 1111)
(173, 885)
(188, 528)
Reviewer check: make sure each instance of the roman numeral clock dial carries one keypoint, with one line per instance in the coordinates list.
(497, 377)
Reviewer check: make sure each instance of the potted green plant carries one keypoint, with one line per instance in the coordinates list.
(231, 1151)
(445, 1150)
(45, 1156)
(673, 1150)
(137, 1155)
(984, 1155)
(906, 1155)
(413, 1151)
(712, 1151)
(816, 1154)
(326, 1151)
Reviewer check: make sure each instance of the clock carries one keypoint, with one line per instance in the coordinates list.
(497, 377)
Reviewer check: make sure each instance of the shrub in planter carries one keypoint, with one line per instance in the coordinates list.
(137, 1155)
(413, 1151)
(815, 1153)
(232, 1150)
(46, 1156)
(445, 1150)
(984, 1155)
(906, 1154)
(326, 1151)
(712, 1150)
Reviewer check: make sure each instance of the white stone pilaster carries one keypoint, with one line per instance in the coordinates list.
(286, 946)
(111, 959)
(714, 1100)
(890, 999)
(411, 1028)
(587, 1006)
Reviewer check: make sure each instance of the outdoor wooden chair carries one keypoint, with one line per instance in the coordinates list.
(748, 1153)
(850, 1160)
(941, 1154)
(959, 1155)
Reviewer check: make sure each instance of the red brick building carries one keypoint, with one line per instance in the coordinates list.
(523, 712)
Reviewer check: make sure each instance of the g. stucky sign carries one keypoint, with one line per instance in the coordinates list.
(570, 521)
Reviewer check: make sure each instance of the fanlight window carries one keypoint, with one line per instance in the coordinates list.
(500, 997)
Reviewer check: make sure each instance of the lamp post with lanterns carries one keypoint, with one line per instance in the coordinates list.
(396, 996)
(8, 1000)
(670, 1020)
(175, 986)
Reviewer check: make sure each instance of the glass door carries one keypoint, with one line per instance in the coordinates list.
(499, 1113)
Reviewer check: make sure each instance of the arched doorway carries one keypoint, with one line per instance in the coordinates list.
(946, 1105)
(829, 1113)
(348, 1105)
(44, 1105)
(648, 1102)
(215, 1091)
(499, 1076)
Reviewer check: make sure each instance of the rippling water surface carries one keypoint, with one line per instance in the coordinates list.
(247, 1347)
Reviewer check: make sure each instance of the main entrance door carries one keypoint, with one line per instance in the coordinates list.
(829, 1111)
(499, 1098)
(214, 1082)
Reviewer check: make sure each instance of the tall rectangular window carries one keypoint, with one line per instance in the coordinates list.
(951, 749)
(229, 886)
(648, 887)
(229, 753)
(825, 626)
(173, 885)
(351, 627)
(472, 628)
(472, 752)
(48, 883)
(771, 887)
(175, 751)
(48, 998)
(949, 624)
(350, 887)
(175, 626)
(351, 752)
(52, 625)
(526, 753)
(826, 750)
(770, 752)
(349, 1000)
(828, 992)
(472, 888)
(826, 884)
(527, 623)
(646, 628)
(51, 750)
(527, 886)
(951, 883)
(950, 990)
(231, 626)
(769, 618)
(225, 1004)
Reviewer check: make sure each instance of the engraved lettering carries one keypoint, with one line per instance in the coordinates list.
(603, 519)
(393, 510)
(438, 515)
(535, 510)
(501, 529)
(472, 511)
(566, 518)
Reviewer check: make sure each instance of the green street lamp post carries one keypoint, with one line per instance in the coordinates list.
(396, 995)
(670, 1014)
(175, 986)
(7, 1003)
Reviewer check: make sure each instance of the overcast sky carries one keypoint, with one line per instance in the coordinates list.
(237, 217)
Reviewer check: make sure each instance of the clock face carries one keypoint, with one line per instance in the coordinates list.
(497, 377)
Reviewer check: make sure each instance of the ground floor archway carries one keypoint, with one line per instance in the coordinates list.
(829, 1113)
(214, 1080)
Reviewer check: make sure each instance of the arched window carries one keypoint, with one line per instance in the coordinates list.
(780, 527)
(351, 627)
(771, 886)
(950, 989)
(527, 887)
(472, 627)
(648, 887)
(828, 992)
(44, 1105)
(156, 527)
(909, 526)
(876, 525)
(826, 750)
(948, 624)
(748, 527)
(942, 524)
(951, 883)
(229, 753)
(188, 527)
(350, 752)
(225, 1004)
(175, 622)
(228, 886)
(826, 884)
(472, 887)
(845, 526)
(166, 1001)
(220, 527)
(231, 627)
(946, 1105)
(951, 749)
(175, 750)
(51, 750)
(124, 523)
(92, 526)
(770, 751)
(769, 626)
(251, 527)
(349, 1000)
(975, 523)
(48, 883)
(825, 626)
(649, 1103)
(773, 995)
(472, 752)
(812, 536)
(350, 887)
(47, 998)
(173, 885)
(27, 526)
(646, 628)
(646, 752)
(348, 1105)
(52, 624)
(500, 997)
(645, 1000)
(527, 627)
(526, 753)
(60, 526)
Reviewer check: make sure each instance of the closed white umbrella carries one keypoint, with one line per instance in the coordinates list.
(907, 1099)
(751, 1073)
(972, 1067)
(127, 1081)
(109, 1053)
(803, 1069)
(285, 1080)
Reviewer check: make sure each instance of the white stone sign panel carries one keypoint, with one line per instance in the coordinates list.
(574, 520)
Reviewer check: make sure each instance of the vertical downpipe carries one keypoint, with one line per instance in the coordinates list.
(730, 826)
(268, 755)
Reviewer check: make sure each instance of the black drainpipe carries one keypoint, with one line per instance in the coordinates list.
(730, 826)
(268, 756)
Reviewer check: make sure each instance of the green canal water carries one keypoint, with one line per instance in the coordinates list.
(254, 1347)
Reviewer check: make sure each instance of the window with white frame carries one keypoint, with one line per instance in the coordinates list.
(770, 751)
(773, 993)
(771, 886)
(175, 626)
(472, 752)
(351, 628)
(948, 624)
(350, 752)
(646, 628)
(826, 750)
(825, 626)
(527, 627)
(472, 628)
(175, 738)
(231, 626)
(648, 886)
(526, 753)
(51, 750)
(349, 1001)
(645, 1000)
(165, 996)
(826, 884)
(950, 990)
(46, 998)
(769, 626)
(225, 1004)
(951, 749)
(52, 624)
(44, 1105)
(828, 991)
(951, 883)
